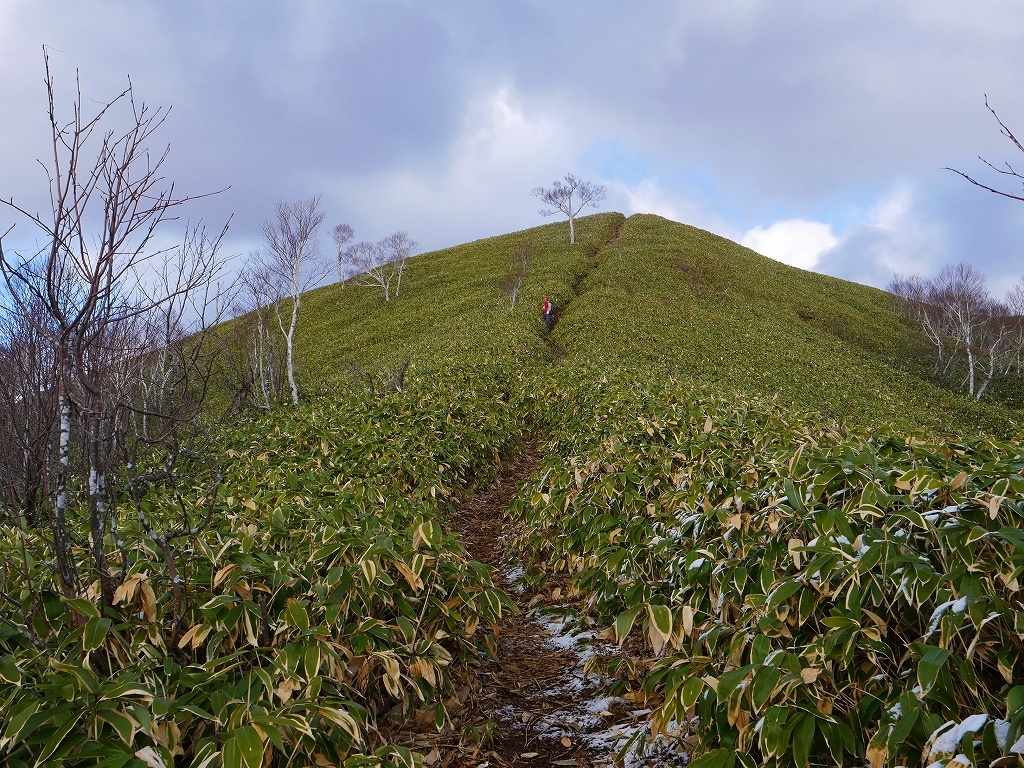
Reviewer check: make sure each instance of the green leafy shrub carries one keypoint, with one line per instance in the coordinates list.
(325, 593)
(811, 595)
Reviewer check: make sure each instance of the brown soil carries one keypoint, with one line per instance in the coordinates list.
(512, 686)
(508, 698)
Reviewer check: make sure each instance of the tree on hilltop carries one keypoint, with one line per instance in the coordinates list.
(569, 199)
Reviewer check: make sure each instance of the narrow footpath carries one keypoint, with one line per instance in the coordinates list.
(535, 700)
(536, 703)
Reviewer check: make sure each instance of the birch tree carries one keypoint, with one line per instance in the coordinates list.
(974, 337)
(569, 199)
(512, 283)
(341, 234)
(252, 366)
(382, 264)
(292, 260)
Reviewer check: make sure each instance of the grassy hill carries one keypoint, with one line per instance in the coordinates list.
(652, 294)
(800, 537)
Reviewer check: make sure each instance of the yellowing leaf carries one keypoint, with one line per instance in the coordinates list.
(223, 573)
(877, 755)
(125, 593)
(687, 620)
(286, 688)
(148, 602)
(993, 506)
(792, 547)
(410, 575)
(151, 757)
(421, 669)
(659, 627)
(809, 674)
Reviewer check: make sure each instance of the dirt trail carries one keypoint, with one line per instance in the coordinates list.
(556, 350)
(546, 711)
(530, 689)
(527, 665)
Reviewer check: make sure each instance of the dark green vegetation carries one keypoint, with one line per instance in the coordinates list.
(746, 465)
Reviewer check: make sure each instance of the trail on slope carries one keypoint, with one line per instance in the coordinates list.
(548, 712)
(556, 350)
(548, 709)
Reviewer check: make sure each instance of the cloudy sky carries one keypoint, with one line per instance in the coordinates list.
(814, 132)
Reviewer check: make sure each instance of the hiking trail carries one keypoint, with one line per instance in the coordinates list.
(547, 709)
(556, 350)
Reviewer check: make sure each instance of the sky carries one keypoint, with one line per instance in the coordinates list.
(818, 134)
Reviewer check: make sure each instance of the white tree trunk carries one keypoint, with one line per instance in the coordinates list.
(970, 371)
(401, 268)
(64, 457)
(289, 339)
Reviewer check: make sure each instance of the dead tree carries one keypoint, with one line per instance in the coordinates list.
(512, 283)
(292, 260)
(569, 199)
(83, 307)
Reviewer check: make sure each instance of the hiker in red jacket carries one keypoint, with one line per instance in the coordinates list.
(549, 313)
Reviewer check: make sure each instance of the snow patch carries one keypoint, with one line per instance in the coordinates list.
(603, 725)
(946, 739)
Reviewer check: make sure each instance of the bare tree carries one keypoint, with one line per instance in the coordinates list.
(341, 234)
(252, 366)
(1006, 169)
(292, 261)
(381, 265)
(80, 317)
(972, 334)
(512, 283)
(569, 199)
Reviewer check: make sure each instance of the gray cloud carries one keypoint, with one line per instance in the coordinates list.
(439, 118)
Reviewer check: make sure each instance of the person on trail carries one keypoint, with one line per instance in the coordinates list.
(549, 313)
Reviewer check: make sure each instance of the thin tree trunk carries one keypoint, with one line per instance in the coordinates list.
(61, 537)
(970, 371)
(291, 349)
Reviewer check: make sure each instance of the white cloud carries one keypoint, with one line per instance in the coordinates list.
(797, 242)
(650, 196)
(897, 234)
(503, 150)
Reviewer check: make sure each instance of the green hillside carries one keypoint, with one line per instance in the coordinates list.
(647, 293)
(810, 551)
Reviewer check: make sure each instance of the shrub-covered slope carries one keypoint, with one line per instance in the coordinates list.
(699, 305)
(697, 396)
(652, 295)
(451, 309)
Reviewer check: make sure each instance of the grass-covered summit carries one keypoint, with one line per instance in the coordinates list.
(651, 294)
